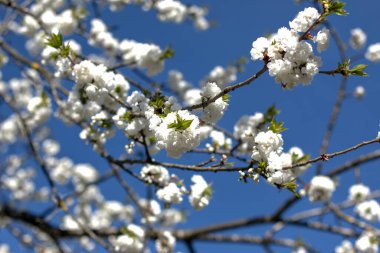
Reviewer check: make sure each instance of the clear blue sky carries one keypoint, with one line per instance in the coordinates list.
(305, 110)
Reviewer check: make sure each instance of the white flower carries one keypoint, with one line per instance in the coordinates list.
(245, 130)
(152, 210)
(297, 154)
(221, 76)
(296, 65)
(321, 188)
(266, 143)
(171, 10)
(69, 223)
(175, 139)
(215, 110)
(373, 53)
(358, 193)
(4, 248)
(155, 174)
(116, 210)
(219, 140)
(50, 147)
(165, 242)
(192, 96)
(358, 38)
(198, 15)
(132, 241)
(200, 192)
(299, 250)
(177, 83)
(323, 39)
(259, 46)
(304, 19)
(275, 164)
(359, 92)
(369, 210)
(170, 193)
(85, 173)
(170, 217)
(61, 169)
(367, 243)
(345, 247)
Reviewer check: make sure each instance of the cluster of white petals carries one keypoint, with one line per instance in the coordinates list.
(289, 60)
(155, 174)
(358, 38)
(200, 193)
(369, 210)
(174, 141)
(130, 242)
(222, 76)
(368, 242)
(345, 247)
(373, 53)
(171, 10)
(170, 193)
(246, 129)
(358, 193)
(214, 111)
(304, 19)
(321, 188)
(165, 242)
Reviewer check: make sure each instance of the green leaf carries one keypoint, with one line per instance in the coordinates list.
(44, 100)
(226, 98)
(126, 231)
(337, 8)
(127, 117)
(180, 124)
(262, 166)
(106, 123)
(208, 191)
(157, 101)
(65, 50)
(167, 54)
(291, 186)
(276, 127)
(373, 240)
(343, 68)
(296, 159)
(118, 90)
(270, 114)
(358, 70)
(55, 40)
(83, 96)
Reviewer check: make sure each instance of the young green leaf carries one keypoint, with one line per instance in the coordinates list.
(208, 191)
(276, 127)
(270, 114)
(226, 98)
(157, 101)
(180, 124)
(358, 70)
(55, 40)
(167, 54)
(291, 186)
(337, 8)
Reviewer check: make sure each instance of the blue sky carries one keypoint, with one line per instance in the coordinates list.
(305, 110)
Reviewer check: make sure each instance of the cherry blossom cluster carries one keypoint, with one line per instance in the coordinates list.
(171, 189)
(289, 58)
(176, 118)
(169, 11)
